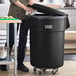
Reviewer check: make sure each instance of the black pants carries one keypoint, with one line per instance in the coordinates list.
(22, 40)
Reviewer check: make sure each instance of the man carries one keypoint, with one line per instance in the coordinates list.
(18, 9)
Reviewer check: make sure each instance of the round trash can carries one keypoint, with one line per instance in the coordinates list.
(47, 41)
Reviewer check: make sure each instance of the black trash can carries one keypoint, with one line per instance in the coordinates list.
(47, 41)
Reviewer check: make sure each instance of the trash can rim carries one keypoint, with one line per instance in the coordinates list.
(51, 17)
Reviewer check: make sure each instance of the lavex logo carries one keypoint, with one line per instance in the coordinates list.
(48, 26)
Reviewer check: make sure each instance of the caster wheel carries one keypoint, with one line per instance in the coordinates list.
(54, 71)
(35, 70)
(44, 70)
(39, 72)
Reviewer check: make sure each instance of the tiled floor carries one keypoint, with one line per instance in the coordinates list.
(68, 69)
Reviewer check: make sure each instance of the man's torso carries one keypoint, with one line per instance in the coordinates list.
(16, 11)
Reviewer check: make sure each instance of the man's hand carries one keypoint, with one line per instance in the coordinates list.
(31, 2)
(29, 10)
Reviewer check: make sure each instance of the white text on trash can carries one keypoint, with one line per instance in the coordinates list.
(48, 26)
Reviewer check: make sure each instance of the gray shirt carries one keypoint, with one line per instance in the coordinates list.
(16, 11)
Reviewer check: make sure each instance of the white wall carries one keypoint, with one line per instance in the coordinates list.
(4, 11)
(4, 8)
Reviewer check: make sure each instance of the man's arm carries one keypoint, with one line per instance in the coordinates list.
(21, 5)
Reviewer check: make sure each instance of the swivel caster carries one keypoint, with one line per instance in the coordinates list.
(54, 71)
(35, 70)
(44, 70)
(39, 72)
